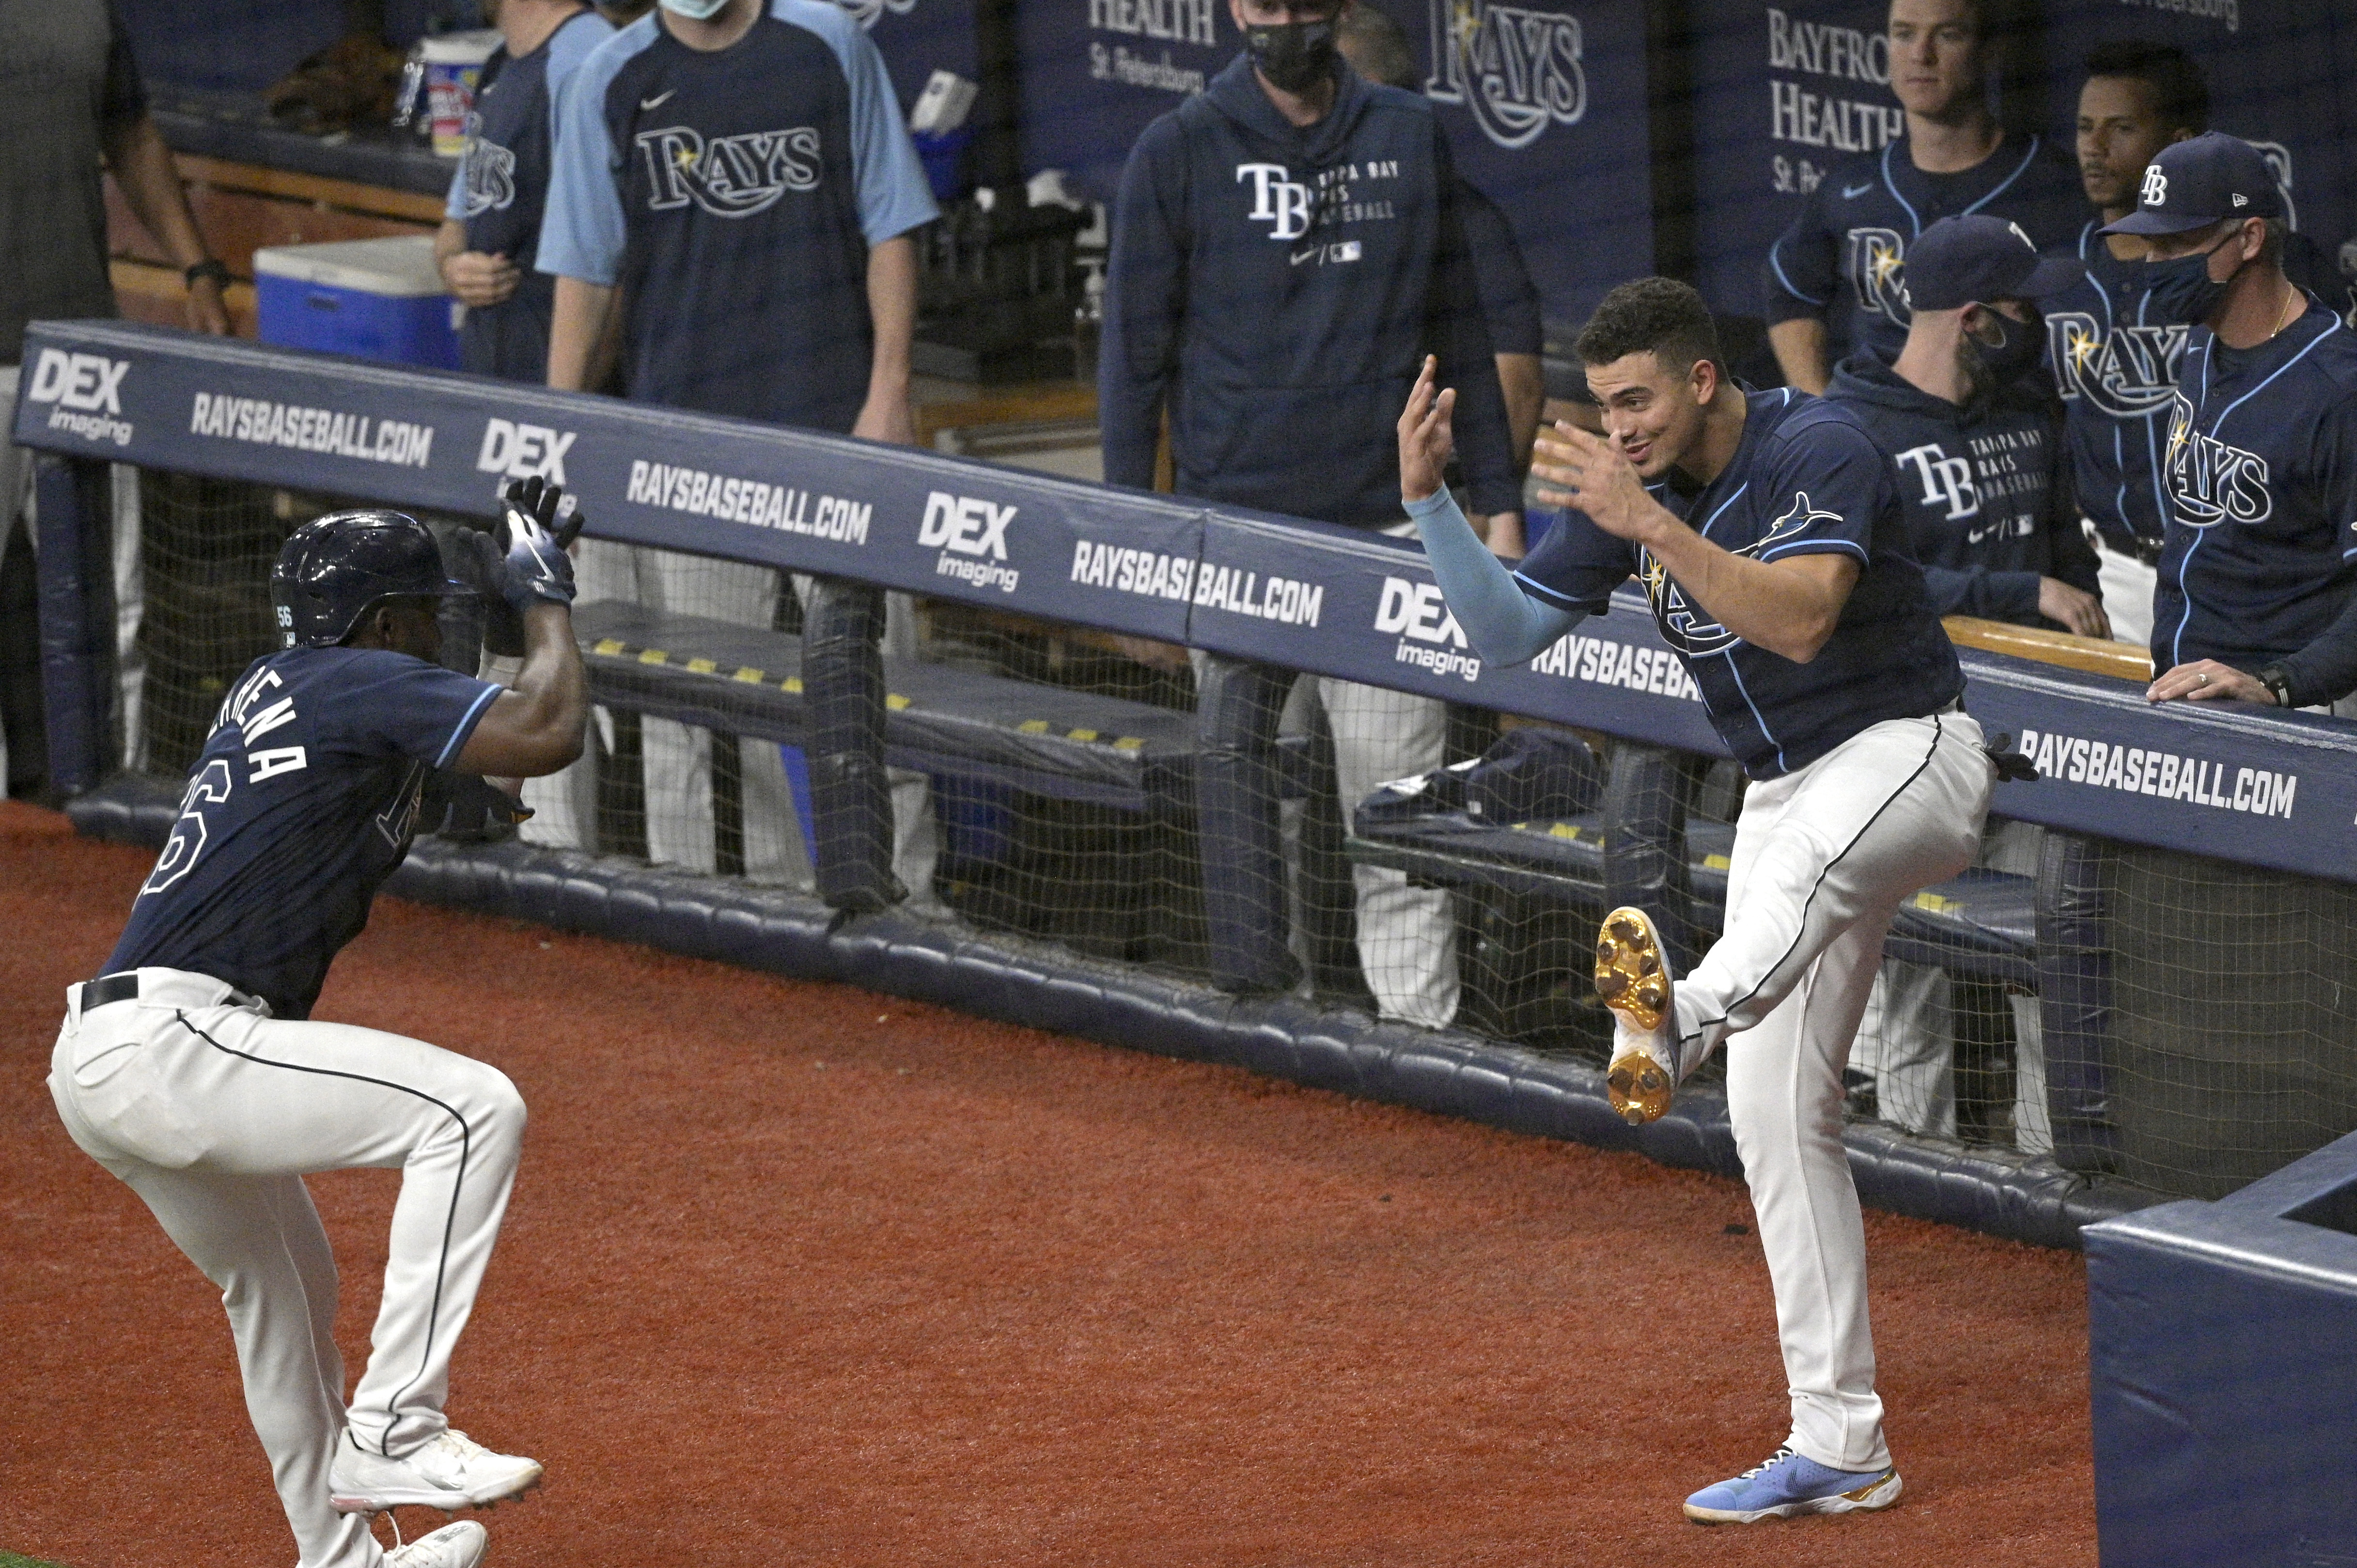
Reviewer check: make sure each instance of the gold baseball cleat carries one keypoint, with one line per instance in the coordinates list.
(1633, 980)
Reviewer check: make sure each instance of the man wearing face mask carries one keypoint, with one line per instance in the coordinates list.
(2260, 463)
(1972, 435)
(1286, 247)
(1975, 446)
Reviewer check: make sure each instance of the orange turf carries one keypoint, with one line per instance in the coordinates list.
(797, 1274)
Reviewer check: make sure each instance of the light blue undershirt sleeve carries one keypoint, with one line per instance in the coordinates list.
(1506, 625)
(455, 207)
(893, 195)
(581, 230)
(568, 47)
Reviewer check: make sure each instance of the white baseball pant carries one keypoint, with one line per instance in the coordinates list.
(1406, 935)
(212, 1110)
(1822, 856)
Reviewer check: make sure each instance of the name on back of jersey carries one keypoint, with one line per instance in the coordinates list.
(254, 717)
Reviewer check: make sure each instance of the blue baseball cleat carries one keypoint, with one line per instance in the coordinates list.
(1789, 1485)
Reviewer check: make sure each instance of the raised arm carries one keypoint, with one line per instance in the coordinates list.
(537, 726)
(1506, 625)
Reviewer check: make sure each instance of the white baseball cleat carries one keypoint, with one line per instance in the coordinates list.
(459, 1545)
(1632, 977)
(449, 1471)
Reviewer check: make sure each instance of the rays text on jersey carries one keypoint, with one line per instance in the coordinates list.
(729, 177)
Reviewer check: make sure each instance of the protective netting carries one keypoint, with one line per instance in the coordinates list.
(2234, 1005)
(1128, 802)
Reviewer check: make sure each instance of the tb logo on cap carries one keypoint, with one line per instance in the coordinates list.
(2156, 185)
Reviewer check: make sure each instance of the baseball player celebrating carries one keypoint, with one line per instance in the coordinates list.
(2260, 462)
(190, 1070)
(1769, 535)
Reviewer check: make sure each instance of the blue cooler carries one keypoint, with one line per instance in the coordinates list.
(380, 299)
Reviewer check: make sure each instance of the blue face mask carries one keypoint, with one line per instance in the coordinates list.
(2180, 292)
(693, 10)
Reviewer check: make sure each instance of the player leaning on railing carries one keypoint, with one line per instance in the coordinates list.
(1768, 534)
(190, 1068)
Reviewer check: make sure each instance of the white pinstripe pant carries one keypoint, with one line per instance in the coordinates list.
(1823, 858)
(211, 1111)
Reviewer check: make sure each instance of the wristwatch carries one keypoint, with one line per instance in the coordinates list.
(2277, 680)
(211, 267)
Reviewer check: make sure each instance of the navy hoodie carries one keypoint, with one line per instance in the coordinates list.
(1278, 288)
(1986, 488)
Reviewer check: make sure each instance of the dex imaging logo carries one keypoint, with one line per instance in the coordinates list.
(972, 537)
(86, 390)
(1282, 203)
(1515, 69)
(729, 177)
(1947, 482)
(515, 451)
(1416, 614)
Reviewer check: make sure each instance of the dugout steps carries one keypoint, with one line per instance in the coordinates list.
(1996, 1190)
(939, 718)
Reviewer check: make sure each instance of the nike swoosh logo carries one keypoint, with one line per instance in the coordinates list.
(1301, 256)
(1849, 192)
(658, 101)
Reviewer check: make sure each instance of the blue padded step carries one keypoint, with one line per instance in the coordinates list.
(1983, 923)
(940, 718)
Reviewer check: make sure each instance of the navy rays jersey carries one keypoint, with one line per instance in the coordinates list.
(502, 187)
(1805, 479)
(2260, 463)
(732, 196)
(1844, 259)
(300, 805)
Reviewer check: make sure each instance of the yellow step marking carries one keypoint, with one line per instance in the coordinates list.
(747, 673)
(702, 666)
(893, 701)
(790, 683)
(654, 656)
(1129, 743)
(1083, 735)
(611, 646)
(1718, 862)
(1033, 726)
(1937, 905)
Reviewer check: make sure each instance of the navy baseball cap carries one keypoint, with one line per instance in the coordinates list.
(2202, 180)
(1960, 260)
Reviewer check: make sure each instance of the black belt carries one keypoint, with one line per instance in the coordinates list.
(2138, 548)
(106, 988)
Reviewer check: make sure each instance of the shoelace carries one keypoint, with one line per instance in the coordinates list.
(1773, 1460)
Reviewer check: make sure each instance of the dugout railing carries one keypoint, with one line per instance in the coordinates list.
(2172, 958)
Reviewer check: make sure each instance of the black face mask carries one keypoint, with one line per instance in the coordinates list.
(1989, 366)
(2180, 292)
(1293, 56)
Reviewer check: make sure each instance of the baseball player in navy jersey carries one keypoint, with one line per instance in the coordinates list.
(2116, 357)
(190, 1068)
(1836, 281)
(487, 245)
(1975, 443)
(2260, 459)
(732, 198)
(1768, 533)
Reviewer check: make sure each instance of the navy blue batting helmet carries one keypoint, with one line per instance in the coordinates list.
(337, 567)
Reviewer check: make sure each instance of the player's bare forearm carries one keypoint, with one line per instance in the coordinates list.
(577, 327)
(150, 182)
(1800, 346)
(892, 309)
(1521, 378)
(535, 726)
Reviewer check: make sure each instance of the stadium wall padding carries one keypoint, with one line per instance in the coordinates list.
(2220, 1374)
(2218, 780)
(1447, 1073)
